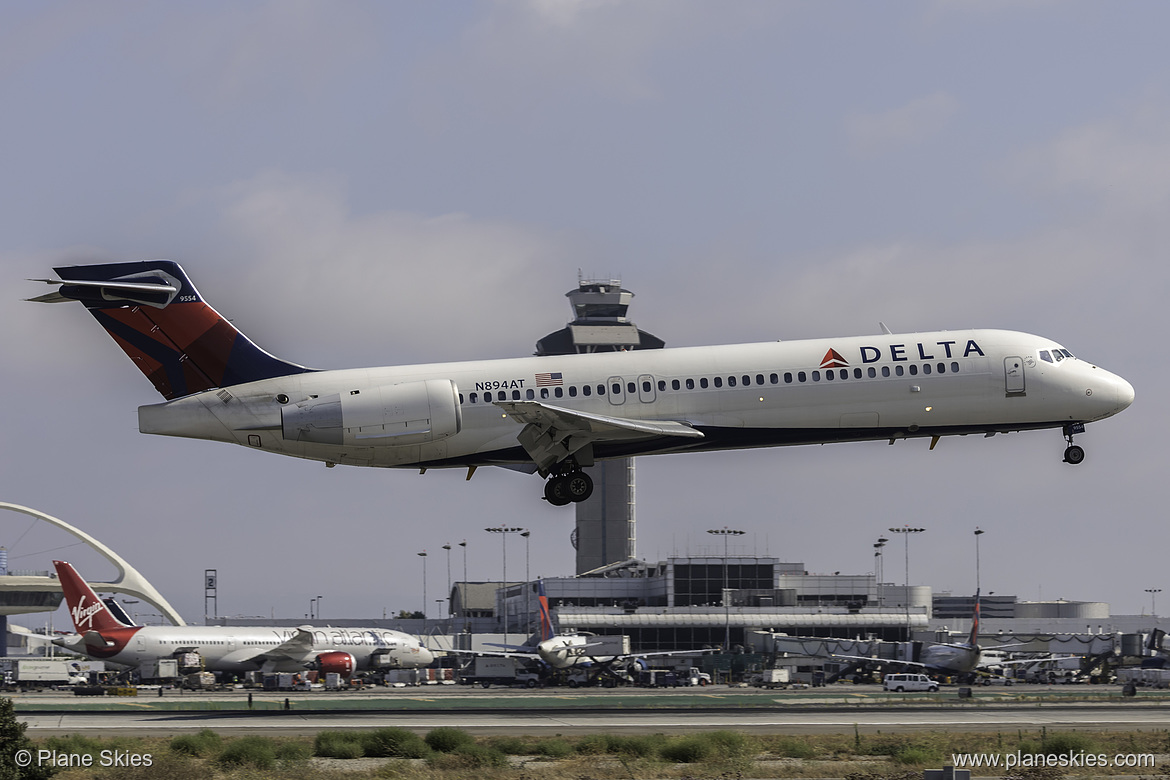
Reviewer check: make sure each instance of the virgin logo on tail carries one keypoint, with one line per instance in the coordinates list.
(83, 616)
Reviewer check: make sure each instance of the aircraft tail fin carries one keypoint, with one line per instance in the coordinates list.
(974, 638)
(546, 627)
(89, 612)
(160, 320)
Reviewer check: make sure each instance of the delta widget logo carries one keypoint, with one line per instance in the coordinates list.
(833, 359)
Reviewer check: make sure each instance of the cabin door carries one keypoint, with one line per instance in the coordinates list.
(1013, 373)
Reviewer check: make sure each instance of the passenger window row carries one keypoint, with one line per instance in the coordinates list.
(704, 383)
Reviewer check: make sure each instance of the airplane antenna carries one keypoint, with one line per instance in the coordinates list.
(885, 328)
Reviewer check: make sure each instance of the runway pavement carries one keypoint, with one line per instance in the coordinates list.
(548, 712)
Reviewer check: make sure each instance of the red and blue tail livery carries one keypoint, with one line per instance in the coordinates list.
(158, 318)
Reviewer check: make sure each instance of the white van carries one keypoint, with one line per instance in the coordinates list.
(910, 682)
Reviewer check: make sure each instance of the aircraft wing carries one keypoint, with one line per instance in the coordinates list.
(297, 648)
(553, 433)
(529, 655)
(879, 661)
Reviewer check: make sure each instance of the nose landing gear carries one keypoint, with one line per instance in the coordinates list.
(569, 487)
(1073, 454)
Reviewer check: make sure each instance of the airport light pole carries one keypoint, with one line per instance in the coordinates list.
(527, 579)
(1153, 595)
(423, 555)
(463, 599)
(726, 533)
(447, 547)
(978, 533)
(503, 531)
(906, 532)
(877, 553)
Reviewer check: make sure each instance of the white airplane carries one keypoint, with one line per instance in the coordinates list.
(232, 648)
(555, 415)
(941, 658)
(565, 651)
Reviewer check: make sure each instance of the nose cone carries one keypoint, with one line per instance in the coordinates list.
(1124, 394)
(425, 656)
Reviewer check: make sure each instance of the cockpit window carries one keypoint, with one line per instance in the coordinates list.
(1045, 356)
(1066, 353)
(1056, 354)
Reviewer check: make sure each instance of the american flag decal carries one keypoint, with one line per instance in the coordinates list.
(549, 379)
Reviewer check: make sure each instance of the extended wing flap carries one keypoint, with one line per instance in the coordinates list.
(553, 433)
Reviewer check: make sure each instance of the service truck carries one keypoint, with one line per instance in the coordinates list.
(488, 671)
(773, 678)
(46, 672)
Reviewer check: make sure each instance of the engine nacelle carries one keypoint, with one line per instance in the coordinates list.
(337, 661)
(386, 416)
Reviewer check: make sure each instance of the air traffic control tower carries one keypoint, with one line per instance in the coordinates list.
(605, 531)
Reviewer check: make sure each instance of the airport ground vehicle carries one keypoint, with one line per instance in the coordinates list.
(772, 678)
(692, 676)
(46, 672)
(909, 682)
(488, 671)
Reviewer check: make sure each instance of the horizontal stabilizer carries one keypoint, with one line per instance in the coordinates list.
(158, 318)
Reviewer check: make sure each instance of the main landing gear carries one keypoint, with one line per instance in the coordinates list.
(569, 487)
(1073, 454)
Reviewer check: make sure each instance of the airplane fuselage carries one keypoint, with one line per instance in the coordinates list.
(236, 649)
(843, 389)
(950, 659)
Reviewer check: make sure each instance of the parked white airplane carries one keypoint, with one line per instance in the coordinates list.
(566, 651)
(556, 414)
(232, 648)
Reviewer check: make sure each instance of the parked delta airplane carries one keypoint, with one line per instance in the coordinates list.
(565, 651)
(961, 659)
(555, 415)
(234, 649)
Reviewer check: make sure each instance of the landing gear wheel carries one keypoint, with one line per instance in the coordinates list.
(1074, 454)
(578, 486)
(555, 492)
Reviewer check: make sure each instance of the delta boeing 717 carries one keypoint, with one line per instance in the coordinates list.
(556, 415)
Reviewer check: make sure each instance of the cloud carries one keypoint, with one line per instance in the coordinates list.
(1122, 164)
(877, 133)
(419, 286)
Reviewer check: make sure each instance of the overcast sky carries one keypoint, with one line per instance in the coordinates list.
(372, 183)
